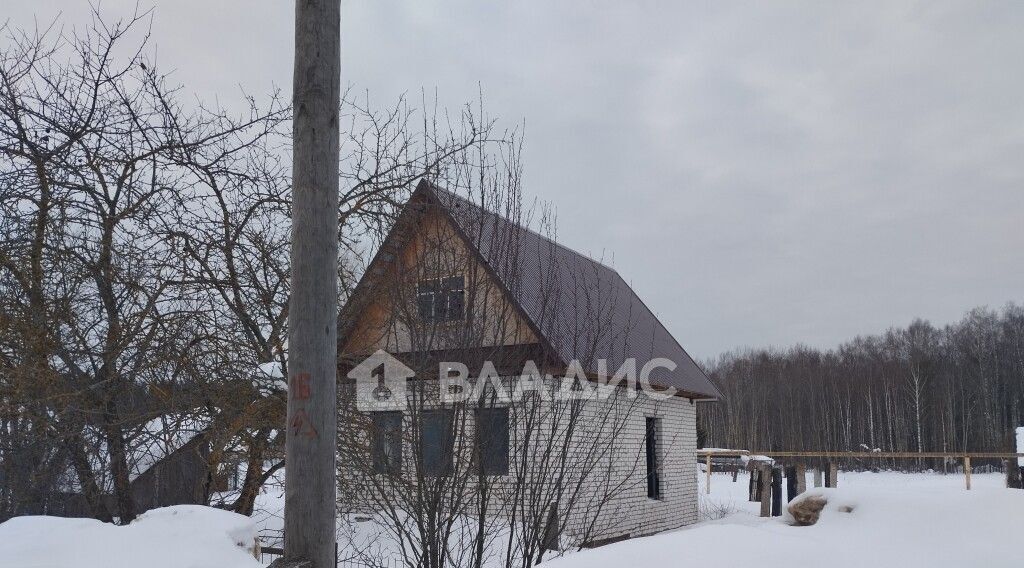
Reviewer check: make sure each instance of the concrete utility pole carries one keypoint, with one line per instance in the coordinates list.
(312, 314)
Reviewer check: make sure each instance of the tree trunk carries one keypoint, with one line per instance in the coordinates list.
(253, 476)
(118, 451)
(87, 480)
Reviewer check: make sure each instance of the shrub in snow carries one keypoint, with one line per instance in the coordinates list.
(714, 510)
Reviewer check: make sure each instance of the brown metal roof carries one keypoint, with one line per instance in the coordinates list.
(581, 308)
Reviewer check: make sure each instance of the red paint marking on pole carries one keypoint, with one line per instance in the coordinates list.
(301, 387)
(302, 426)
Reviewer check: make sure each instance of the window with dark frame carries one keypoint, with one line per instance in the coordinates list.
(652, 442)
(441, 299)
(437, 443)
(386, 442)
(492, 440)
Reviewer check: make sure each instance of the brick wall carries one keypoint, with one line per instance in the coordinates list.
(603, 474)
(629, 511)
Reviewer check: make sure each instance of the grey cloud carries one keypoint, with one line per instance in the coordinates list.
(763, 173)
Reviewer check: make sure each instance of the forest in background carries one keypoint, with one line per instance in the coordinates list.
(956, 388)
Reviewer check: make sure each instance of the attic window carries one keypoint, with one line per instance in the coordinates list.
(441, 299)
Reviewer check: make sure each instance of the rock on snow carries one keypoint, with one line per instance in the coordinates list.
(805, 509)
(184, 536)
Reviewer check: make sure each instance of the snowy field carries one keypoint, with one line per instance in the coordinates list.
(897, 520)
(894, 520)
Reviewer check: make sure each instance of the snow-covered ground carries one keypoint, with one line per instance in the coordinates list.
(894, 519)
(897, 520)
(185, 536)
(363, 540)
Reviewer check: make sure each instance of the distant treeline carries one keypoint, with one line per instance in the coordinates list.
(920, 388)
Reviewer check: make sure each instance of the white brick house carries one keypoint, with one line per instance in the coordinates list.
(455, 283)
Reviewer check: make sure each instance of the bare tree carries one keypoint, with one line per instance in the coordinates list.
(423, 474)
(100, 337)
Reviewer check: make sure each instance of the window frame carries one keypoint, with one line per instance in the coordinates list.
(379, 441)
(445, 459)
(488, 445)
(446, 297)
(653, 461)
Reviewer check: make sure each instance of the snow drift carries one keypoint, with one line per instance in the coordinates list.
(184, 536)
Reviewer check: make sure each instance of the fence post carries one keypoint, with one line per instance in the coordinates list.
(817, 477)
(755, 484)
(967, 471)
(708, 468)
(791, 492)
(766, 490)
(833, 475)
(801, 478)
(1013, 477)
(776, 491)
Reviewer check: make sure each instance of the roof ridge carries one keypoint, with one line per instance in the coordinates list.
(479, 207)
(557, 331)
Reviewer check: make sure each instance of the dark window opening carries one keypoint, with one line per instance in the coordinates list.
(551, 530)
(437, 443)
(441, 299)
(492, 440)
(386, 442)
(652, 442)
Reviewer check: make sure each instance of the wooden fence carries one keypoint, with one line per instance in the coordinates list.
(766, 481)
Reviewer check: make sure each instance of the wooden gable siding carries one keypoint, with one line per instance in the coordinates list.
(436, 250)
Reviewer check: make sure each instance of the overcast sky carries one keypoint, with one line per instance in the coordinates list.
(762, 173)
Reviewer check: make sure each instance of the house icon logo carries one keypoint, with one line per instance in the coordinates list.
(380, 382)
